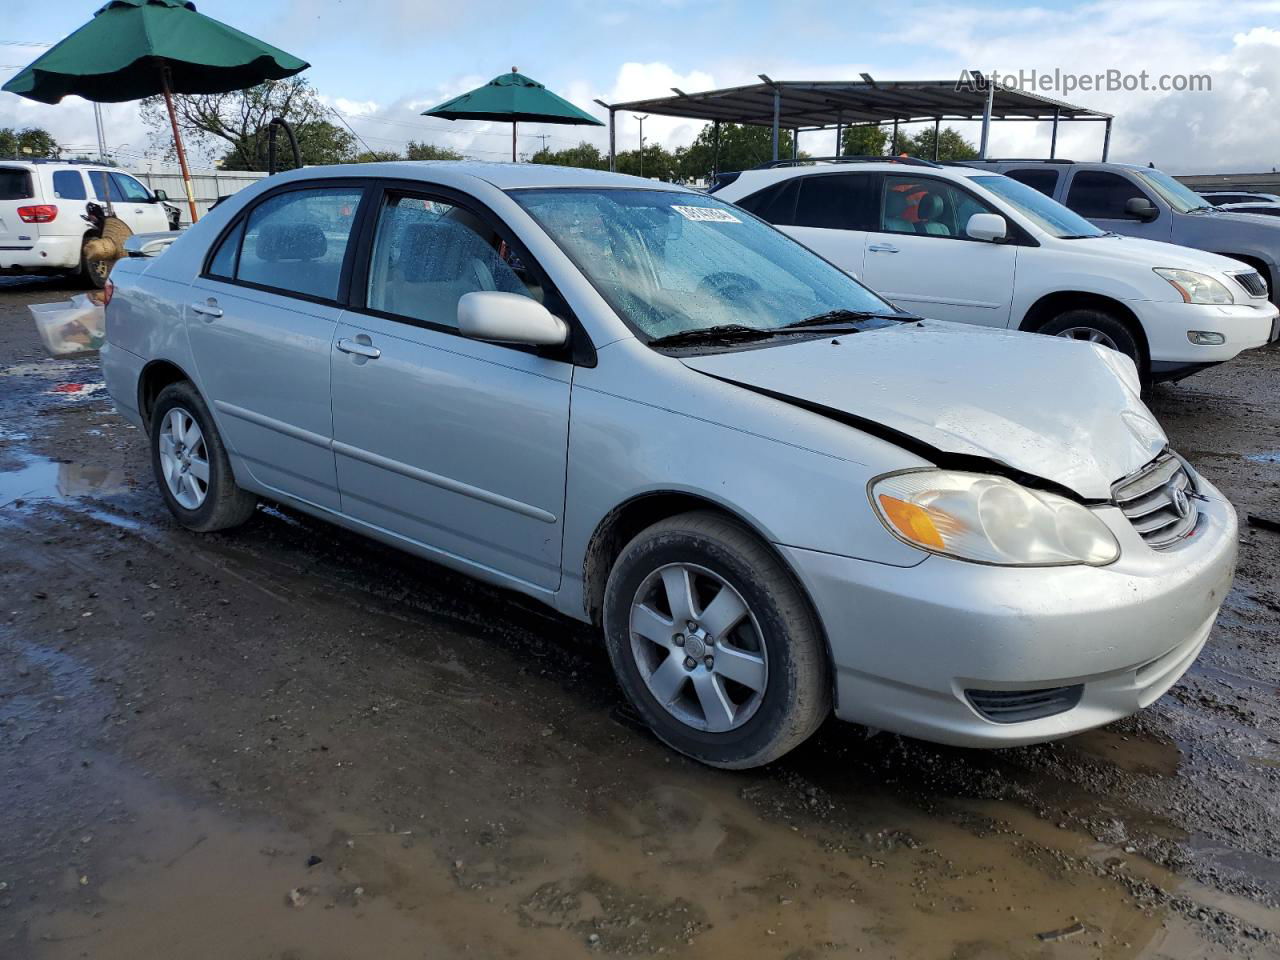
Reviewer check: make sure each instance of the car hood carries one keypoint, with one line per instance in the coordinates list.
(1155, 253)
(1060, 410)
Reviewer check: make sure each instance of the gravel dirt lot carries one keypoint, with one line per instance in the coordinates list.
(291, 743)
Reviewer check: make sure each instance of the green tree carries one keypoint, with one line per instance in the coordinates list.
(742, 146)
(376, 156)
(429, 151)
(658, 162)
(28, 142)
(952, 145)
(864, 141)
(583, 155)
(234, 126)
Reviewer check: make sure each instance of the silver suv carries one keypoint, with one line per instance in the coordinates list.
(1138, 201)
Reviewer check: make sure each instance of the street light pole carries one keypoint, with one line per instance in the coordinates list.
(642, 120)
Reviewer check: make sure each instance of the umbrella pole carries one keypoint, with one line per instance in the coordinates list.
(513, 141)
(177, 142)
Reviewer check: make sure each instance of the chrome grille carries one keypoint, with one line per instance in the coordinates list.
(1159, 501)
(1252, 282)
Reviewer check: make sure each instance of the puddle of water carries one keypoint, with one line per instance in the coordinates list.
(43, 479)
(1272, 456)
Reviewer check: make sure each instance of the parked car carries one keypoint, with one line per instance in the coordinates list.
(971, 246)
(1221, 198)
(773, 492)
(1267, 209)
(1144, 202)
(43, 207)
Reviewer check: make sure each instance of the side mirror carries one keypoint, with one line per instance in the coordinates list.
(1140, 208)
(160, 195)
(987, 226)
(509, 318)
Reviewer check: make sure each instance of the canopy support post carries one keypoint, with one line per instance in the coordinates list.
(986, 118)
(1053, 139)
(777, 110)
(839, 133)
(1106, 141)
(715, 156)
(177, 141)
(937, 136)
(795, 144)
(893, 148)
(613, 145)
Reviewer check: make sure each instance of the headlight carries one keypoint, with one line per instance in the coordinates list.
(988, 519)
(1196, 287)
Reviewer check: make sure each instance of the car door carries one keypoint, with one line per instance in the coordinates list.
(921, 258)
(261, 319)
(451, 443)
(130, 201)
(1100, 197)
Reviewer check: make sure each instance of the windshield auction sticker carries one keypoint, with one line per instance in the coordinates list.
(706, 214)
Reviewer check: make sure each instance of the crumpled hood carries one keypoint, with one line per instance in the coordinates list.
(1057, 409)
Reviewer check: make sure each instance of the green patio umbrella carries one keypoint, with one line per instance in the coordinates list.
(133, 49)
(510, 98)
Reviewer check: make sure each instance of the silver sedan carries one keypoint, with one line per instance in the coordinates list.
(777, 495)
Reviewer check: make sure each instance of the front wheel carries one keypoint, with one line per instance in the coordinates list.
(714, 643)
(191, 464)
(1095, 326)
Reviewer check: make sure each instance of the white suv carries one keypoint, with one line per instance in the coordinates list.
(43, 208)
(955, 243)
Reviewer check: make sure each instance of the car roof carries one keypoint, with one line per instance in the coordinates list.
(504, 176)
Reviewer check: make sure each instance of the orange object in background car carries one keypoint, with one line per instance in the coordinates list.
(915, 193)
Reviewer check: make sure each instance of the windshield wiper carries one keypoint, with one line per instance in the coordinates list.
(720, 332)
(844, 316)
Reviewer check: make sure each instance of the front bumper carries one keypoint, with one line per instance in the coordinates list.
(907, 643)
(1243, 326)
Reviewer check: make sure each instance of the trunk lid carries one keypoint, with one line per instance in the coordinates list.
(1064, 411)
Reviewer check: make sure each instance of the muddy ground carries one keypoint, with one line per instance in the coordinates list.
(292, 743)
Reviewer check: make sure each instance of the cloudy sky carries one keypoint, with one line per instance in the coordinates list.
(381, 62)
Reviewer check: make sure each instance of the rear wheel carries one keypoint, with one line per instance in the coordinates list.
(191, 464)
(714, 643)
(94, 269)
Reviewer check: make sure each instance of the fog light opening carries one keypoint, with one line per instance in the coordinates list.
(1206, 338)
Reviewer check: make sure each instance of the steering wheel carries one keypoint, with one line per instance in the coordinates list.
(729, 285)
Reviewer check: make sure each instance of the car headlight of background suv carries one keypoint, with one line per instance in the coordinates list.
(988, 519)
(1196, 287)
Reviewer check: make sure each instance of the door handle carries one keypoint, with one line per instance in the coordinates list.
(208, 309)
(882, 248)
(366, 350)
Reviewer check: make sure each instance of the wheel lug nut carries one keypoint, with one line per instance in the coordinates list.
(693, 627)
(690, 663)
(679, 638)
(709, 662)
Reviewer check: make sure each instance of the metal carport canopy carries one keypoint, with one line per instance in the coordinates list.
(818, 105)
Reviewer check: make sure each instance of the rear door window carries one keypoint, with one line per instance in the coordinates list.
(1100, 195)
(1044, 179)
(296, 242)
(69, 185)
(15, 184)
(838, 201)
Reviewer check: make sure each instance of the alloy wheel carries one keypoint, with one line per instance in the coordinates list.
(184, 458)
(698, 647)
(1089, 335)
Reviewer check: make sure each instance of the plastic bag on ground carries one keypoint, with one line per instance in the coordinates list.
(71, 326)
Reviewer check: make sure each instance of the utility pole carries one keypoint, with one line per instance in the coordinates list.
(642, 120)
(102, 139)
(544, 137)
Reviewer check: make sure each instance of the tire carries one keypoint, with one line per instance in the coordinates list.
(776, 647)
(213, 502)
(94, 270)
(1088, 324)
